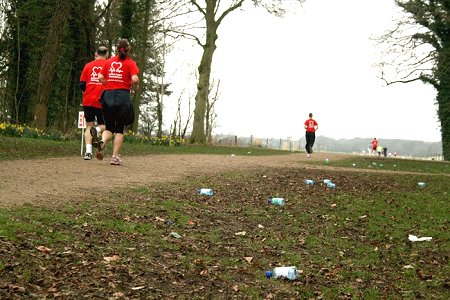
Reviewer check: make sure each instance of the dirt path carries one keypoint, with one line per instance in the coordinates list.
(54, 180)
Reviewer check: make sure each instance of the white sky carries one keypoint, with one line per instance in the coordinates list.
(319, 59)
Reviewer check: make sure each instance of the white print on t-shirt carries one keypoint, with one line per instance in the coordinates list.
(310, 124)
(116, 70)
(94, 74)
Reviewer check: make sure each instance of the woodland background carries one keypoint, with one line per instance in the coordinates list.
(45, 45)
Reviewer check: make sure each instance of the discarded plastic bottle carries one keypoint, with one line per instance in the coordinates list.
(421, 184)
(290, 273)
(276, 201)
(326, 181)
(331, 185)
(309, 182)
(207, 192)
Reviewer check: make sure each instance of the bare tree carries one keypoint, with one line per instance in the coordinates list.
(213, 12)
(211, 115)
(419, 48)
(180, 126)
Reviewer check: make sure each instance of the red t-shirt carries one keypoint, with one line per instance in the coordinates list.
(118, 73)
(310, 123)
(374, 144)
(94, 87)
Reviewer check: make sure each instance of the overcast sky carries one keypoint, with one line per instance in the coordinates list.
(318, 59)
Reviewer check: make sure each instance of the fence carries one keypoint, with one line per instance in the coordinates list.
(322, 144)
(267, 143)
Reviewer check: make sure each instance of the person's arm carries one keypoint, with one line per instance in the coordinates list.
(135, 82)
(83, 86)
(101, 78)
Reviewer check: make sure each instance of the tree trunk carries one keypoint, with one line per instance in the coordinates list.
(49, 61)
(142, 64)
(443, 100)
(159, 110)
(204, 71)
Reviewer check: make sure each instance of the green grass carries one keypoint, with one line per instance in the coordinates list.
(389, 164)
(29, 148)
(350, 242)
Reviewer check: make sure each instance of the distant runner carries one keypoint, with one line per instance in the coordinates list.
(311, 127)
(92, 89)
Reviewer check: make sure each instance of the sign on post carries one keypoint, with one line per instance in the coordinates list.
(81, 120)
(82, 125)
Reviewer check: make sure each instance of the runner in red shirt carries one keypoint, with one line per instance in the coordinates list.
(118, 76)
(374, 144)
(311, 126)
(92, 89)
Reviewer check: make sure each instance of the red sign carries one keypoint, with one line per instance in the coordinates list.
(81, 120)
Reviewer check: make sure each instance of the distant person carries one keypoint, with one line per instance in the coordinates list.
(119, 75)
(92, 89)
(311, 127)
(374, 145)
(379, 150)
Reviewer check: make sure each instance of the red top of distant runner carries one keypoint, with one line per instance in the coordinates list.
(94, 87)
(310, 125)
(374, 144)
(118, 73)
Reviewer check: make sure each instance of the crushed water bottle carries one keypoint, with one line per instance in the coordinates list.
(421, 184)
(309, 181)
(290, 273)
(331, 185)
(206, 192)
(326, 181)
(276, 201)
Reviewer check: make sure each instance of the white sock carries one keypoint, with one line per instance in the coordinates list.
(88, 148)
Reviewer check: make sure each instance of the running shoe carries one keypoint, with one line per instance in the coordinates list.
(88, 156)
(100, 147)
(115, 160)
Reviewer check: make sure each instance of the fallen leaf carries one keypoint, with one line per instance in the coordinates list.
(204, 272)
(159, 219)
(109, 259)
(16, 288)
(408, 267)
(248, 259)
(118, 295)
(235, 287)
(241, 233)
(260, 226)
(44, 249)
(137, 288)
(422, 275)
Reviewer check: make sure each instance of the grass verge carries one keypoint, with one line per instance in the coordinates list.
(28, 148)
(389, 164)
(350, 242)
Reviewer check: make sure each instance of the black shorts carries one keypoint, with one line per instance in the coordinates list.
(117, 110)
(91, 113)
